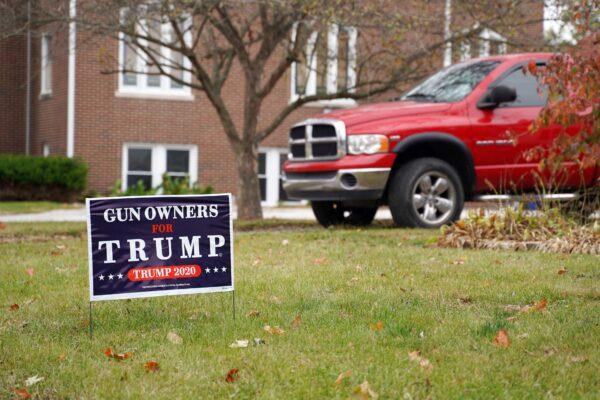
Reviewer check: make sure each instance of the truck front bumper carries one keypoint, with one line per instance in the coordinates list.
(344, 184)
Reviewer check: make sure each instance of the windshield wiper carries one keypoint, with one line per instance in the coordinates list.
(421, 96)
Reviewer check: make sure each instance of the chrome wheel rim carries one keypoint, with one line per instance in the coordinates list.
(433, 198)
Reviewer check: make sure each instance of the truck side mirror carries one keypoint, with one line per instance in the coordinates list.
(496, 96)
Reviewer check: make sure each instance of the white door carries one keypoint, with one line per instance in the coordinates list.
(270, 163)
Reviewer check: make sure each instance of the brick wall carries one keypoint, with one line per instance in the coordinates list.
(12, 94)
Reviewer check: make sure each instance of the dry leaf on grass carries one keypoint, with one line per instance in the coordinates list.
(2, 225)
(460, 261)
(62, 357)
(562, 271)
(536, 306)
(341, 377)
(285, 242)
(151, 366)
(275, 299)
(21, 393)
(14, 307)
(174, 338)
(232, 375)
(256, 262)
(274, 330)
(415, 356)
(297, 322)
(32, 380)
(253, 313)
(578, 359)
(117, 356)
(30, 271)
(320, 260)
(258, 341)
(376, 327)
(239, 344)
(364, 392)
(501, 339)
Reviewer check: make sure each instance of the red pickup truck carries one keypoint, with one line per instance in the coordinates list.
(460, 134)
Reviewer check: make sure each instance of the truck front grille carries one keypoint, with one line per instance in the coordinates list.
(317, 141)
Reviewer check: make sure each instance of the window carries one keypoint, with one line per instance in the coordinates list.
(46, 65)
(148, 162)
(45, 149)
(485, 43)
(262, 175)
(139, 73)
(530, 93)
(451, 84)
(328, 64)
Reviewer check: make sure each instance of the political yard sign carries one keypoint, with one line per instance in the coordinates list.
(148, 246)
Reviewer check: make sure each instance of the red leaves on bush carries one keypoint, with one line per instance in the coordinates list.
(232, 375)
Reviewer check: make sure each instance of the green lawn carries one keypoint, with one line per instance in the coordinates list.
(448, 304)
(27, 207)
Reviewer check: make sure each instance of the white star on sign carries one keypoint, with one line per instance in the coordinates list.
(215, 269)
(207, 270)
(101, 277)
(120, 276)
(223, 269)
(110, 276)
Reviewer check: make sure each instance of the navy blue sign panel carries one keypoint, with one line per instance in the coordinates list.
(149, 246)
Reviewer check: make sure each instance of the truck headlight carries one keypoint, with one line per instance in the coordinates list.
(367, 144)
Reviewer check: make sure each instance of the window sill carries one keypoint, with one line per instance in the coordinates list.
(154, 96)
(335, 103)
(45, 95)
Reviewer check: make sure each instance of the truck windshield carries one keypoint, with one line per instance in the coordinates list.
(451, 84)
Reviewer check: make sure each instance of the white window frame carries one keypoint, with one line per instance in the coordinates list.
(158, 163)
(141, 88)
(46, 65)
(331, 79)
(485, 37)
(272, 174)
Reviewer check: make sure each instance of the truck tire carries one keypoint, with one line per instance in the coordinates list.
(425, 193)
(330, 213)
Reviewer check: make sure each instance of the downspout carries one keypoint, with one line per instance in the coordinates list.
(28, 85)
(447, 33)
(71, 80)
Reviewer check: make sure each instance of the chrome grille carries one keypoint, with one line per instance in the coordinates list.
(317, 140)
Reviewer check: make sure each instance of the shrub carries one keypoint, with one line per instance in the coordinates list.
(41, 178)
(169, 185)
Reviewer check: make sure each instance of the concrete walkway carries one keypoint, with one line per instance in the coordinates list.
(79, 215)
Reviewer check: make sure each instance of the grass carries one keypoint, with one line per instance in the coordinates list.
(28, 207)
(446, 303)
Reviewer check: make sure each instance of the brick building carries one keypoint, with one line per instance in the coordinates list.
(131, 128)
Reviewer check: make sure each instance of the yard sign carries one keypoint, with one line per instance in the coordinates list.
(148, 246)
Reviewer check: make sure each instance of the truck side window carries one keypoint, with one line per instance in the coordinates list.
(530, 92)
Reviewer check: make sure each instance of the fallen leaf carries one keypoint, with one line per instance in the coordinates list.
(364, 392)
(376, 327)
(562, 271)
(285, 242)
(297, 322)
(253, 313)
(174, 338)
(256, 262)
(540, 305)
(32, 380)
(274, 330)
(578, 359)
(415, 356)
(55, 252)
(239, 344)
(14, 307)
(22, 393)
(30, 271)
(2, 225)
(62, 357)
(117, 356)
(358, 268)
(341, 377)
(258, 341)
(460, 261)
(466, 300)
(232, 375)
(275, 299)
(319, 260)
(501, 339)
(151, 366)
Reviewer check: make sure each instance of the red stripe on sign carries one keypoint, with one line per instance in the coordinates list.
(164, 272)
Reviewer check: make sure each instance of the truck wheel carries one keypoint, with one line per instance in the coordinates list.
(332, 213)
(427, 193)
(328, 213)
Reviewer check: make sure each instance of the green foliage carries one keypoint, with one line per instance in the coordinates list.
(41, 178)
(169, 185)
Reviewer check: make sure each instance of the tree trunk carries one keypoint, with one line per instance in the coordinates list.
(248, 199)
